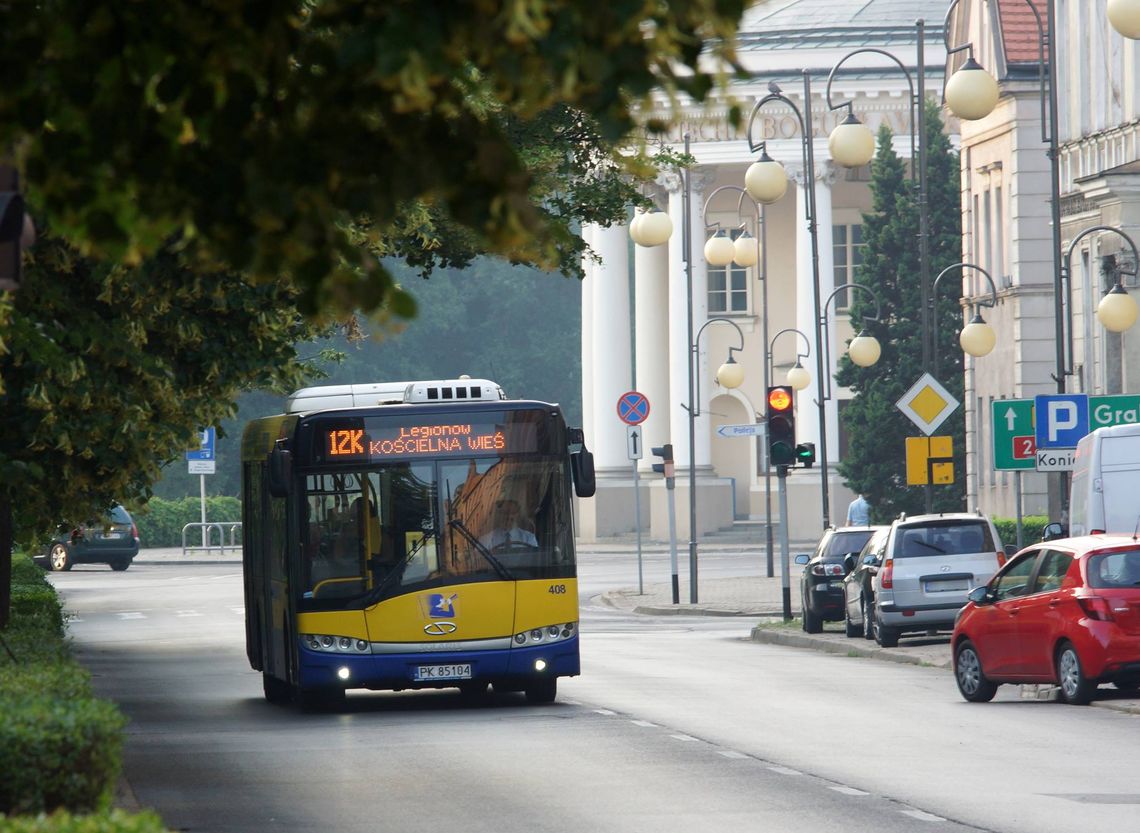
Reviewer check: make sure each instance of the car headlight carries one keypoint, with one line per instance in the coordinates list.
(329, 644)
(543, 635)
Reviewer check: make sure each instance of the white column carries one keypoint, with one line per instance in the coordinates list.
(610, 337)
(588, 337)
(699, 181)
(678, 325)
(651, 314)
(807, 414)
(825, 178)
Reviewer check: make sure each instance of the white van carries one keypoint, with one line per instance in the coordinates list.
(1104, 493)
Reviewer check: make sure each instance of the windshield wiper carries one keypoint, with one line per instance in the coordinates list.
(461, 527)
(397, 571)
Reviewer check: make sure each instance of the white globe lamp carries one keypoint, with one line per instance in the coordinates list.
(971, 93)
(719, 250)
(977, 338)
(1116, 310)
(746, 250)
(1124, 15)
(864, 350)
(852, 144)
(766, 180)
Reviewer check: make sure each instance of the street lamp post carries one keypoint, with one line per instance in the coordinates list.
(729, 375)
(977, 337)
(1116, 310)
(864, 350)
(747, 251)
(766, 181)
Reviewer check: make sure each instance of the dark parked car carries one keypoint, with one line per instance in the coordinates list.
(858, 587)
(821, 583)
(113, 540)
(1065, 612)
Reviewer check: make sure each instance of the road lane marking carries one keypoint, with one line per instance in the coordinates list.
(783, 770)
(644, 723)
(731, 753)
(606, 712)
(131, 614)
(686, 738)
(849, 791)
(185, 613)
(921, 816)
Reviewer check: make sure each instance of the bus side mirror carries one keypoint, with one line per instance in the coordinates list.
(582, 469)
(280, 472)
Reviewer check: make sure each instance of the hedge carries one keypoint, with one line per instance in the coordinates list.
(1032, 528)
(116, 821)
(160, 522)
(60, 746)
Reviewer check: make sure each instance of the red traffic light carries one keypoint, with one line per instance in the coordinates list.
(779, 398)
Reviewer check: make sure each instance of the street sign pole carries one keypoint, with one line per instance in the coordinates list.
(785, 559)
(636, 452)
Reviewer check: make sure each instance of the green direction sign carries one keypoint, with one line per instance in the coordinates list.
(1015, 444)
(1013, 427)
(1113, 410)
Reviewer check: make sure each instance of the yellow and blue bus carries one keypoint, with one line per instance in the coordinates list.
(411, 535)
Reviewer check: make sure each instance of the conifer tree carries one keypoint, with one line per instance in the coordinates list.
(875, 462)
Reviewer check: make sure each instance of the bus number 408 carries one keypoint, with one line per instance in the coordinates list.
(557, 589)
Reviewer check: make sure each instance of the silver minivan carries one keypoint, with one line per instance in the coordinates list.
(930, 564)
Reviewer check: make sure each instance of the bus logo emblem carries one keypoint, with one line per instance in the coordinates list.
(439, 628)
(441, 606)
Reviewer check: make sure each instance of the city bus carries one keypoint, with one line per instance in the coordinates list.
(370, 557)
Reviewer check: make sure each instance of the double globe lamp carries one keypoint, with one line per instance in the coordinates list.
(654, 228)
(972, 93)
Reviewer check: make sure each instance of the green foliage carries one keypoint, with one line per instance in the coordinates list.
(160, 523)
(876, 460)
(479, 320)
(280, 134)
(1032, 529)
(59, 745)
(110, 372)
(115, 821)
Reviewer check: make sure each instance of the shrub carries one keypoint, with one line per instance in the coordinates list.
(1032, 528)
(116, 821)
(59, 746)
(161, 521)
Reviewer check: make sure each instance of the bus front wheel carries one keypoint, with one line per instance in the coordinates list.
(542, 690)
(276, 691)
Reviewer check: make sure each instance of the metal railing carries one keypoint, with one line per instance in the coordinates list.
(226, 531)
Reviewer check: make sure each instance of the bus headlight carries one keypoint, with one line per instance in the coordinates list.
(545, 634)
(328, 644)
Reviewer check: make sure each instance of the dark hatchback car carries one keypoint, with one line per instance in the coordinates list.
(821, 583)
(113, 540)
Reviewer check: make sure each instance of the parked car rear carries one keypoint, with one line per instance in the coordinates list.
(112, 539)
(1065, 612)
(931, 563)
(821, 583)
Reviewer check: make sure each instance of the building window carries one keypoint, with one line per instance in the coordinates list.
(728, 286)
(847, 252)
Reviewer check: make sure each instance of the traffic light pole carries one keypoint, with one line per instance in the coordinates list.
(785, 558)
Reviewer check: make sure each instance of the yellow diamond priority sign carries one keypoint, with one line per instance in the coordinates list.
(927, 404)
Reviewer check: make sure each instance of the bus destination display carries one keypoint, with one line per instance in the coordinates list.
(460, 439)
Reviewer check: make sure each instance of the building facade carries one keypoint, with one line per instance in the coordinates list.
(780, 42)
(1007, 223)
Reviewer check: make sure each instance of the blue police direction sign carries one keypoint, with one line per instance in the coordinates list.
(748, 429)
(1061, 420)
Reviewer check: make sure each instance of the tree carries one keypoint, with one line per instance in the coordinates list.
(875, 463)
(479, 320)
(297, 137)
(111, 371)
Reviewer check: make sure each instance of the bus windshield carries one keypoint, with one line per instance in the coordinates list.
(381, 531)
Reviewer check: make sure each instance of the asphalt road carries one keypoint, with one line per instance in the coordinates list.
(678, 722)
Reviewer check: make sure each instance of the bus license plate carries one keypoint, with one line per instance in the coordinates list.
(443, 672)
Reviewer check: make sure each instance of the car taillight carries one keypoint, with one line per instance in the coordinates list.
(827, 570)
(1096, 532)
(1001, 559)
(134, 530)
(1095, 607)
(886, 575)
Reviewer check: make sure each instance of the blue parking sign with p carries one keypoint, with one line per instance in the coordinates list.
(1061, 419)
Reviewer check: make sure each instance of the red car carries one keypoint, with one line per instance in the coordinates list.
(1065, 612)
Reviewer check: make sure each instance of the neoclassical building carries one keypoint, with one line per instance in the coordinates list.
(647, 348)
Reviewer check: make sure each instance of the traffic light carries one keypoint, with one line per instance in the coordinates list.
(665, 452)
(781, 426)
(805, 455)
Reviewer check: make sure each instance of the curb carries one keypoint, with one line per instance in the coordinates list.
(851, 649)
